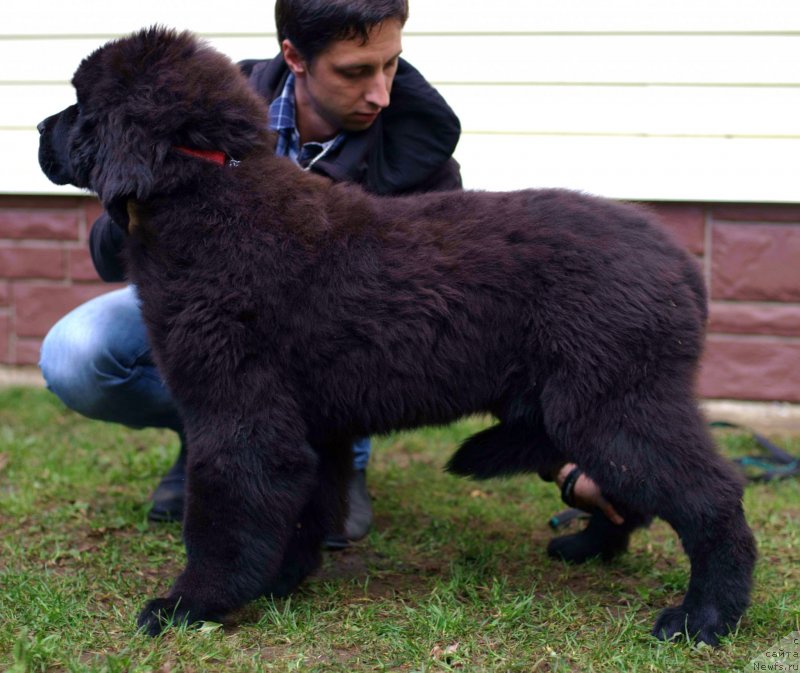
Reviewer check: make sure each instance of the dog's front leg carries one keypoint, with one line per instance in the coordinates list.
(247, 484)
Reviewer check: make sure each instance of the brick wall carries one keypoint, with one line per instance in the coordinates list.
(45, 269)
(750, 255)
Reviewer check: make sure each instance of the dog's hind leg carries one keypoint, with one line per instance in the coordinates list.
(650, 451)
(511, 448)
(600, 539)
(249, 478)
(705, 508)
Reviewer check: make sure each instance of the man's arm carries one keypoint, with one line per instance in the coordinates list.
(106, 241)
(586, 494)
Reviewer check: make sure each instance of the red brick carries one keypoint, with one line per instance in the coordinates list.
(747, 212)
(686, 222)
(743, 318)
(27, 351)
(81, 267)
(5, 328)
(39, 306)
(20, 261)
(5, 293)
(61, 225)
(757, 262)
(42, 202)
(751, 369)
(93, 209)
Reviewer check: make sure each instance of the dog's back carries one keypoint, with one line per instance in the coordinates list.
(388, 299)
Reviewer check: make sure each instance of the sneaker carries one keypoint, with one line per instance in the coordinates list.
(359, 517)
(168, 497)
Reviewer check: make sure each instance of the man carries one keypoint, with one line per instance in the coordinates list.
(343, 104)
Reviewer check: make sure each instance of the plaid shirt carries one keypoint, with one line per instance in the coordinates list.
(282, 121)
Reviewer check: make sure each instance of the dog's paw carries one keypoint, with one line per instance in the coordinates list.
(161, 613)
(575, 548)
(703, 625)
(583, 546)
(284, 585)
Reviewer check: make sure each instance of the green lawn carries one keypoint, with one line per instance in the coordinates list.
(453, 577)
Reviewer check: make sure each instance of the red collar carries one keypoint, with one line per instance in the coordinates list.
(216, 157)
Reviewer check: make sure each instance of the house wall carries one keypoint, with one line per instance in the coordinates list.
(691, 105)
(687, 100)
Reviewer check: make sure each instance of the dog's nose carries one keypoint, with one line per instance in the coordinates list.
(41, 127)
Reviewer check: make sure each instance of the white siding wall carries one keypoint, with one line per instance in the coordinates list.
(639, 99)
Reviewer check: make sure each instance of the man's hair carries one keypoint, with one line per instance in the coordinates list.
(311, 25)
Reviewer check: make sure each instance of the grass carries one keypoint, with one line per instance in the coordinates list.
(454, 576)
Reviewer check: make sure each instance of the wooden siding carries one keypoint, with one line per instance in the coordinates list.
(640, 99)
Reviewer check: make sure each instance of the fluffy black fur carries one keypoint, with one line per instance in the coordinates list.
(289, 315)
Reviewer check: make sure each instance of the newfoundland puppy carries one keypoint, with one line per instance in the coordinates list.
(289, 315)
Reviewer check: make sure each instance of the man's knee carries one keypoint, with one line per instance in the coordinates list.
(92, 351)
(72, 364)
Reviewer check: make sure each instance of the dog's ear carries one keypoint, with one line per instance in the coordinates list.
(125, 166)
(125, 163)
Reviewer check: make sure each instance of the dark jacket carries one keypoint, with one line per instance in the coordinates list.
(407, 149)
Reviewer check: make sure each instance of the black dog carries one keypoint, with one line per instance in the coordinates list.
(290, 315)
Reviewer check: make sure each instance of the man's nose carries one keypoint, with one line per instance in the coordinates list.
(378, 92)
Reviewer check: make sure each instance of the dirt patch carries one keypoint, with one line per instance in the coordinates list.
(375, 577)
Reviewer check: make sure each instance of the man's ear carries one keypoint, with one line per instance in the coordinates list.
(297, 64)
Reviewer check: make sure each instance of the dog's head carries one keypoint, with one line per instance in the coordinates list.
(138, 99)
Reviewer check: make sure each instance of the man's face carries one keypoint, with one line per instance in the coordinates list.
(348, 83)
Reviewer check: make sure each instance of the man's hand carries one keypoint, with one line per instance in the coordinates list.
(587, 495)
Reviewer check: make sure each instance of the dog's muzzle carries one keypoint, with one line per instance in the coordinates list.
(53, 145)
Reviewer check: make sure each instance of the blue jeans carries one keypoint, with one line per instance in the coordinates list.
(97, 360)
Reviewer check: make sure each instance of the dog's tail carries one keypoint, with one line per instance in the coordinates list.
(502, 450)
